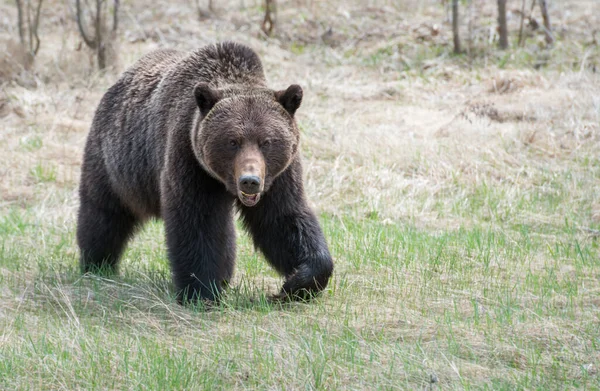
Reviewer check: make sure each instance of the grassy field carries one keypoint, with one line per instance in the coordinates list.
(460, 196)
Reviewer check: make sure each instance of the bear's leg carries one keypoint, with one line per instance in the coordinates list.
(200, 239)
(102, 233)
(104, 225)
(288, 233)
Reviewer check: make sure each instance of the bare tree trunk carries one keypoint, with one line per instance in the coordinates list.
(99, 27)
(270, 17)
(90, 42)
(28, 20)
(455, 26)
(547, 26)
(520, 42)
(29, 23)
(36, 22)
(503, 30)
(470, 33)
(20, 21)
(102, 35)
(115, 16)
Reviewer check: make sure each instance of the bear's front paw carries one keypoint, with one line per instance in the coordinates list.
(302, 295)
(306, 282)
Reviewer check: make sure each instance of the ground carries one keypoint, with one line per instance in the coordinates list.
(460, 196)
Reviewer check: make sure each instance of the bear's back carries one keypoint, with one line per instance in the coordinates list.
(230, 63)
(221, 65)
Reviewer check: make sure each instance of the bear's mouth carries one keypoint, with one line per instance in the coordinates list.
(248, 199)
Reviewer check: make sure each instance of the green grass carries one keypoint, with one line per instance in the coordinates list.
(471, 308)
(30, 144)
(422, 59)
(43, 173)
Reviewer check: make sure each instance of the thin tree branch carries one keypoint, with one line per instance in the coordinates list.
(100, 36)
(36, 23)
(520, 41)
(270, 15)
(503, 43)
(115, 16)
(20, 21)
(470, 33)
(29, 27)
(90, 42)
(455, 26)
(547, 26)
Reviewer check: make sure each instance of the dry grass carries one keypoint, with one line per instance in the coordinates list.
(460, 196)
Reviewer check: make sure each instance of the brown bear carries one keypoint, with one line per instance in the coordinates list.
(185, 137)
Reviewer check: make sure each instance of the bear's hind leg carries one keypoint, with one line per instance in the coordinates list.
(102, 233)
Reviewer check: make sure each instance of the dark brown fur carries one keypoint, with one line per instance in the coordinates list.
(173, 139)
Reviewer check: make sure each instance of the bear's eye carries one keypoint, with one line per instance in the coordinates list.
(233, 143)
(266, 143)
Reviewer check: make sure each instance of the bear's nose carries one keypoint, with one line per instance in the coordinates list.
(249, 184)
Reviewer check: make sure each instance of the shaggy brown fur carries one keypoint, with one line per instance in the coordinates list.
(184, 137)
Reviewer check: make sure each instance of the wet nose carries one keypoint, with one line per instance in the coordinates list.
(249, 184)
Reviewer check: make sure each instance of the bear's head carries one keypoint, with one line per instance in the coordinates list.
(246, 138)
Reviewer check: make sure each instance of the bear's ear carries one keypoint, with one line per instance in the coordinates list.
(291, 98)
(206, 97)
